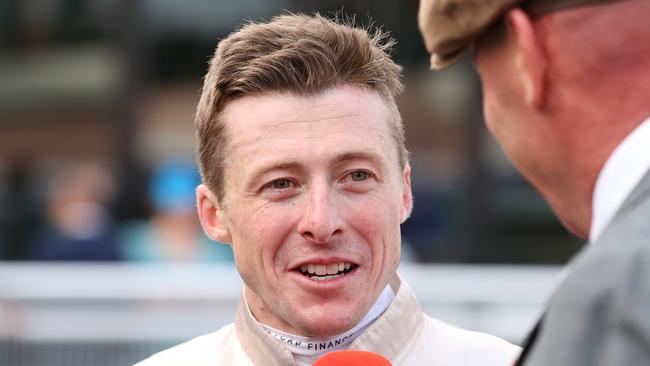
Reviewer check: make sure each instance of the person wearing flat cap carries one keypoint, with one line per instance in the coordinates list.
(566, 92)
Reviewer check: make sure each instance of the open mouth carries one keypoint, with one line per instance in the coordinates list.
(323, 272)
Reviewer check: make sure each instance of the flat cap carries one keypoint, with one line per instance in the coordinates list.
(449, 27)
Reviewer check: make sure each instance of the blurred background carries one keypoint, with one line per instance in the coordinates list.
(102, 260)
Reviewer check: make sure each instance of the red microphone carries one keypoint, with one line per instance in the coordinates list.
(352, 358)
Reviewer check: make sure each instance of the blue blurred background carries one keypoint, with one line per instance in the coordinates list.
(97, 174)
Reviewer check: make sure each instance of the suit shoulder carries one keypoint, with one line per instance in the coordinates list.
(197, 351)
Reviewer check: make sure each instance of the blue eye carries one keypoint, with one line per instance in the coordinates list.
(281, 184)
(359, 175)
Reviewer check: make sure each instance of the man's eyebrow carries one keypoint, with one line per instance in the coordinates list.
(284, 165)
(359, 155)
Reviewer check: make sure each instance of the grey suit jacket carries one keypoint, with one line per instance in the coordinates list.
(600, 314)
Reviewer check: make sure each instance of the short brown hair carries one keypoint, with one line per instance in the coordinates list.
(293, 53)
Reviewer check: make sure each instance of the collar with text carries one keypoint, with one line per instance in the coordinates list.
(388, 335)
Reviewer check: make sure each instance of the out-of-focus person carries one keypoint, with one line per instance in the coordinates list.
(306, 174)
(172, 234)
(566, 91)
(79, 224)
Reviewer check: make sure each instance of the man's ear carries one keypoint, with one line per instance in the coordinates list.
(212, 216)
(530, 59)
(407, 195)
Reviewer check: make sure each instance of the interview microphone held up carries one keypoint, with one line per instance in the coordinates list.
(352, 358)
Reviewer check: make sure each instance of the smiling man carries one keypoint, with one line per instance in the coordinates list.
(306, 175)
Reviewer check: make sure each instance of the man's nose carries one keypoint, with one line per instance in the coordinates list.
(320, 221)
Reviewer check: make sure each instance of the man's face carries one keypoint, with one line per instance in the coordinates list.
(313, 205)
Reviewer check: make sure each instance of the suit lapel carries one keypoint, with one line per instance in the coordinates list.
(640, 190)
(529, 342)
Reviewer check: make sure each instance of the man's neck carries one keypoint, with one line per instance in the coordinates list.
(306, 350)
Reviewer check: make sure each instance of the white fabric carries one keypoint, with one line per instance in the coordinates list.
(306, 350)
(622, 171)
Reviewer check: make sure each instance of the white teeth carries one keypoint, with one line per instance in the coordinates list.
(325, 271)
(321, 269)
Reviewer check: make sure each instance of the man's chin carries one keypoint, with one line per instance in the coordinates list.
(576, 230)
(326, 324)
(574, 224)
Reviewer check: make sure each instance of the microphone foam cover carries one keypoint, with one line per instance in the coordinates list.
(352, 358)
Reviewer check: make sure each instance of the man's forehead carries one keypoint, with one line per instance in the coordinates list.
(256, 143)
(345, 99)
(337, 111)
